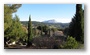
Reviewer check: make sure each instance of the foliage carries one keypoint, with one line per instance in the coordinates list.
(9, 9)
(57, 25)
(76, 27)
(66, 31)
(39, 27)
(41, 30)
(54, 29)
(16, 31)
(29, 31)
(45, 29)
(70, 43)
(34, 31)
(7, 17)
(47, 42)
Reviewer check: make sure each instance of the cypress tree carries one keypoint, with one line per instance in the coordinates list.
(77, 25)
(29, 32)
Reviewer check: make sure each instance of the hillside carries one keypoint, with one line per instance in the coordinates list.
(58, 25)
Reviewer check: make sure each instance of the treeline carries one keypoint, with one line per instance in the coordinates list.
(57, 25)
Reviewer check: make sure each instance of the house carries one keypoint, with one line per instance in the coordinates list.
(58, 33)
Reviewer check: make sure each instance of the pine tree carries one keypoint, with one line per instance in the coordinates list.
(29, 32)
(77, 25)
(9, 9)
(16, 31)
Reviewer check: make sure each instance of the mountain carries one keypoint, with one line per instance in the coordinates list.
(36, 23)
(50, 21)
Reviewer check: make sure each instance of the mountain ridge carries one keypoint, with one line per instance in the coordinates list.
(50, 21)
(37, 23)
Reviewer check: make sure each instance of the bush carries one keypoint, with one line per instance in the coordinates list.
(70, 43)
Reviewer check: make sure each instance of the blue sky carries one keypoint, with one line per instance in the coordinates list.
(41, 12)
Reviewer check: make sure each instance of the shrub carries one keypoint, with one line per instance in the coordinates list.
(71, 43)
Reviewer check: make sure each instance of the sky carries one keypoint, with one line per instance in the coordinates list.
(41, 12)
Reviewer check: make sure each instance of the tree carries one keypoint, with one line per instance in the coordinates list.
(8, 10)
(34, 31)
(7, 17)
(39, 27)
(8, 20)
(16, 31)
(41, 30)
(82, 26)
(45, 29)
(29, 32)
(66, 31)
(77, 25)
